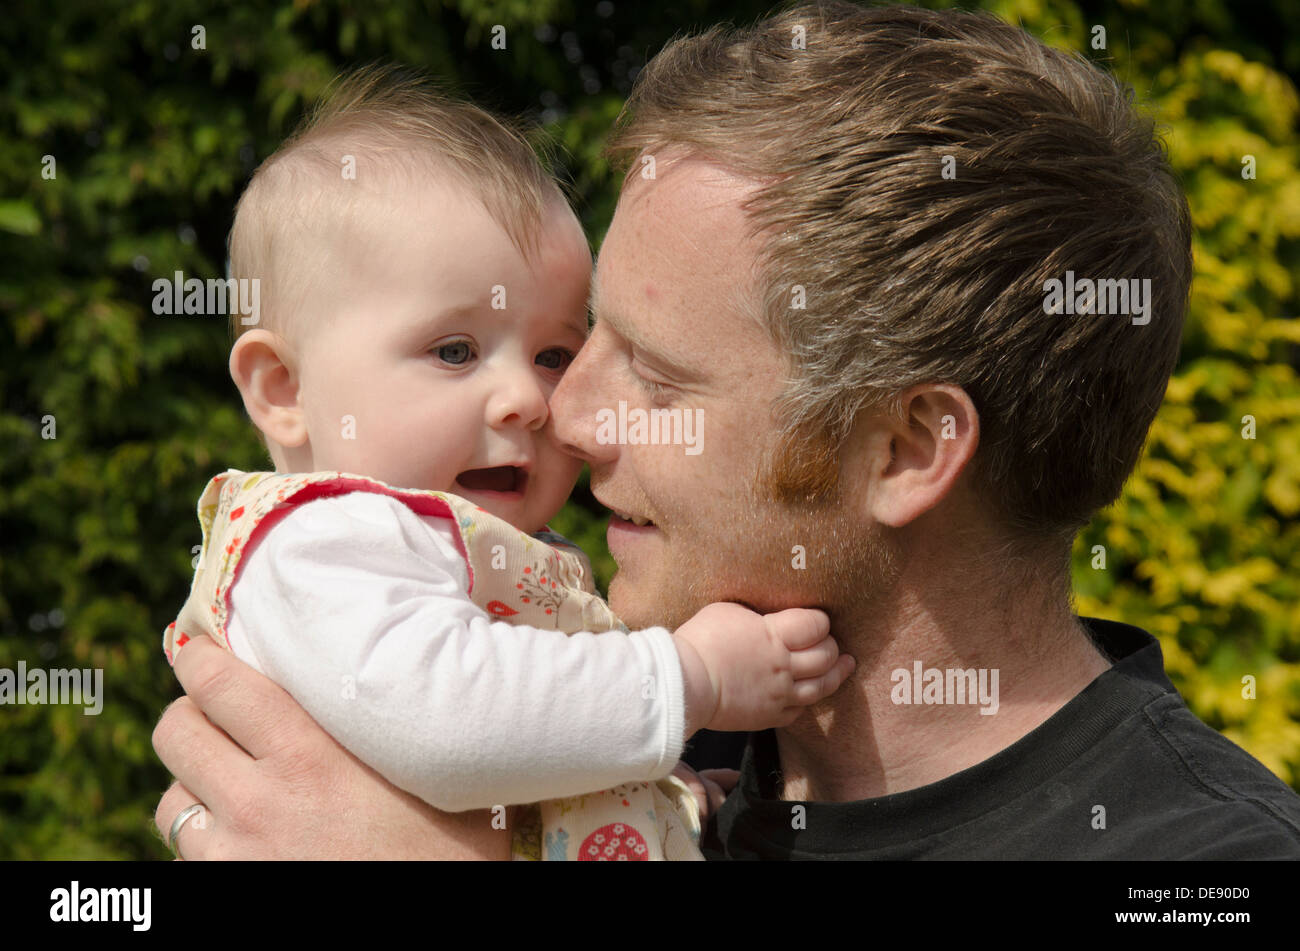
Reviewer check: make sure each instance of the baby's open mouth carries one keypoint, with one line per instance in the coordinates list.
(494, 479)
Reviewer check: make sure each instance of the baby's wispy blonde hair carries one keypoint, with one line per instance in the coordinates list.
(375, 125)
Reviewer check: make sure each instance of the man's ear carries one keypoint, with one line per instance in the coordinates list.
(918, 457)
(260, 367)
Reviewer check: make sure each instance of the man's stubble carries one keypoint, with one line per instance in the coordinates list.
(795, 541)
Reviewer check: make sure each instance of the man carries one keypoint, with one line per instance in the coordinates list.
(846, 240)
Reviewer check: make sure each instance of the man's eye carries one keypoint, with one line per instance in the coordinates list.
(455, 353)
(555, 359)
(657, 392)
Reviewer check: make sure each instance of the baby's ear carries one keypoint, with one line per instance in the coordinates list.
(269, 385)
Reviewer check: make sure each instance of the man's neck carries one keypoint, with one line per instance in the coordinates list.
(880, 734)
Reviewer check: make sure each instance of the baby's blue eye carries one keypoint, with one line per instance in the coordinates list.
(554, 359)
(455, 353)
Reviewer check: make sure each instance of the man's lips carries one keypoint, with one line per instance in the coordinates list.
(503, 481)
(624, 517)
(630, 521)
(624, 537)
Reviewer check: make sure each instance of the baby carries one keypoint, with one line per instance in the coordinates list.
(423, 287)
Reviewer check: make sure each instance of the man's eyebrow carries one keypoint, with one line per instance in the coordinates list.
(619, 326)
(662, 360)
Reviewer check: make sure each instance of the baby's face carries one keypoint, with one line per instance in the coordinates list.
(437, 348)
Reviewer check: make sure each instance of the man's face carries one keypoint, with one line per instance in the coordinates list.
(677, 328)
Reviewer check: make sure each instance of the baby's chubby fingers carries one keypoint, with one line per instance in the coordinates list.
(813, 689)
(798, 628)
(816, 660)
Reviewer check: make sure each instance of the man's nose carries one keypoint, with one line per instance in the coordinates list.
(582, 391)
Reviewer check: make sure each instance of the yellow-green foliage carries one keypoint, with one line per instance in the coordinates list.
(154, 141)
(1203, 549)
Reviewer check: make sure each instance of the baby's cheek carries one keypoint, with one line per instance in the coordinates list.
(569, 468)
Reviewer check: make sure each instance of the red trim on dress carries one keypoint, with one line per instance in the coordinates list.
(345, 485)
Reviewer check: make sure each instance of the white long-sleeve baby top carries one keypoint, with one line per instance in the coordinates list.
(359, 608)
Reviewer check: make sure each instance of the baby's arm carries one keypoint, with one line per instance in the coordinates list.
(357, 607)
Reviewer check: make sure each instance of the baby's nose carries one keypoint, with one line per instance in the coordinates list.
(519, 402)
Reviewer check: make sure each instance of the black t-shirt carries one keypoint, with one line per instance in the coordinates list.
(1170, 787)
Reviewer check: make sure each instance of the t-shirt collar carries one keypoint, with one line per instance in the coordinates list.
(1136, 677)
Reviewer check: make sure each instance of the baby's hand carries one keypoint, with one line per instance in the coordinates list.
(746, 671)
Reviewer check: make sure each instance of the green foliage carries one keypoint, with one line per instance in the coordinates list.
(153, 141)
(1204, 545)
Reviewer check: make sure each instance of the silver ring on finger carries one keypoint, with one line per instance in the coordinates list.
(178, 823)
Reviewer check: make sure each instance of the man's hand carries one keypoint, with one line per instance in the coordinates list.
(277, 786)
(710, 786)
(746, 671)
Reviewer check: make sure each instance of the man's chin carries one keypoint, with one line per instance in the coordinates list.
(640, 606)
(623, 600)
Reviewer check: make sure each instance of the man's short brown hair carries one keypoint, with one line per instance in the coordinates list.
(848, 118)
